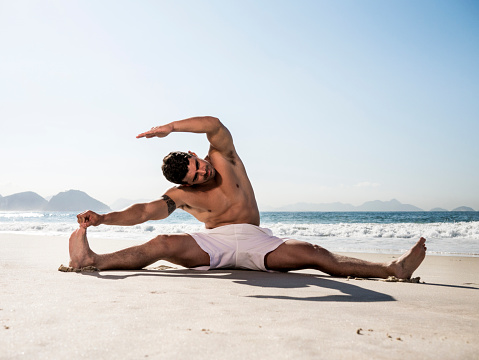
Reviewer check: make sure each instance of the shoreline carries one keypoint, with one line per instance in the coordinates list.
(123, 238)
(167, 311)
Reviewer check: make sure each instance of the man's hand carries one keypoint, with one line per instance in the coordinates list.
(158, 131)
(89, 218)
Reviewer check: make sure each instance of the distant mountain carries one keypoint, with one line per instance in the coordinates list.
(75, 200)
(392, 205)
(336, 206)
(463, 208)
(24, 201)
(121, 204)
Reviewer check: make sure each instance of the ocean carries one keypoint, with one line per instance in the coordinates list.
(447, 233)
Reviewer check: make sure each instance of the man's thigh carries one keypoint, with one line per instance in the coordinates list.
(293, 255)
(182, 249)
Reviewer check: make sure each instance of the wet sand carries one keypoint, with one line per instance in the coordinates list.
(170, 312)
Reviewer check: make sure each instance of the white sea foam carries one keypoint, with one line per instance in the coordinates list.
(465, 230)
(142, 231)
(20, 215)
(443, 238)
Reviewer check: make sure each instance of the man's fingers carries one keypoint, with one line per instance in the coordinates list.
(84, 217)
(158, 131)
(147, 134)
(86, 223)
(143, 134)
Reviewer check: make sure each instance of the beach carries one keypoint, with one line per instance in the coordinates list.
(166, 311)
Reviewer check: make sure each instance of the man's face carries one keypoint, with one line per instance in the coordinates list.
(199, 171)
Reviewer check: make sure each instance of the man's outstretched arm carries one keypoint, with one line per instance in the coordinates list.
(218, 135)
(133, 215)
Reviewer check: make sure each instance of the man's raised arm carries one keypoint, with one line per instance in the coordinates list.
(133, 215)
(218, 135)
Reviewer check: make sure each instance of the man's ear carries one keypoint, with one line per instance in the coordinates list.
(192, 153)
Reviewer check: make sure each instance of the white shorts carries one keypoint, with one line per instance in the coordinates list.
(237, 246)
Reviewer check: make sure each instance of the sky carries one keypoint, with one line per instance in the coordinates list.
(327, 101)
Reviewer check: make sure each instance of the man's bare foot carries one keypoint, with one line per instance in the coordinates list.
(80, 253)
(404, 267)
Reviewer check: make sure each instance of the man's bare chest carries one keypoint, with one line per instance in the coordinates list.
(216, 200)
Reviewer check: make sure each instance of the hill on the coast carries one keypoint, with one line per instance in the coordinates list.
(392, 205)
(72, 200)
(377, 205)
(463, 208)
(75, 200)
(337, 206)
(23, 201)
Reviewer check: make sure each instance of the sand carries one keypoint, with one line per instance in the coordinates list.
(168, 312)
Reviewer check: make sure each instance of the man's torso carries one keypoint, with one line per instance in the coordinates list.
(228, 199)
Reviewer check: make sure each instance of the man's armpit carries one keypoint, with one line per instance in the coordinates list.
(231, 157)
(170, 203)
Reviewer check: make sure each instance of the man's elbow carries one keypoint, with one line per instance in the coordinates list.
(215, 124)
(214, 121)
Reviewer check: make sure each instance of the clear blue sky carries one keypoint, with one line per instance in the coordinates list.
(327, 101)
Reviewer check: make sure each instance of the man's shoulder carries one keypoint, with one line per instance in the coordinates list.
(183, 191)
(176, 192)
(181, 194)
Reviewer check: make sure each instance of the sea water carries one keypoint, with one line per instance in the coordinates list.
(447, 233)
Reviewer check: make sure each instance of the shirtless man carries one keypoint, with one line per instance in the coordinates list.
(216, 191)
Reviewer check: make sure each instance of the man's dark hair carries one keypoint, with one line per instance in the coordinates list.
(175, 166)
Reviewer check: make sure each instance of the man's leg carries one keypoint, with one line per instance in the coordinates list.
(295, 255)
(178, 249)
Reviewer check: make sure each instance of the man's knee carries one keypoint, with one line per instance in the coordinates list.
(316, 255)
(310, 249)
(166, 244)
(294, 254)
(320, 250)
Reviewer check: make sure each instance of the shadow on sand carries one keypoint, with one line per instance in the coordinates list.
(349, 292)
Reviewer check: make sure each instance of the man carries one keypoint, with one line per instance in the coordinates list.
(216, 190)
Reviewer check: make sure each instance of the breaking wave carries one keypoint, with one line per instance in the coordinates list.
(465, 230)
(459, 237)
